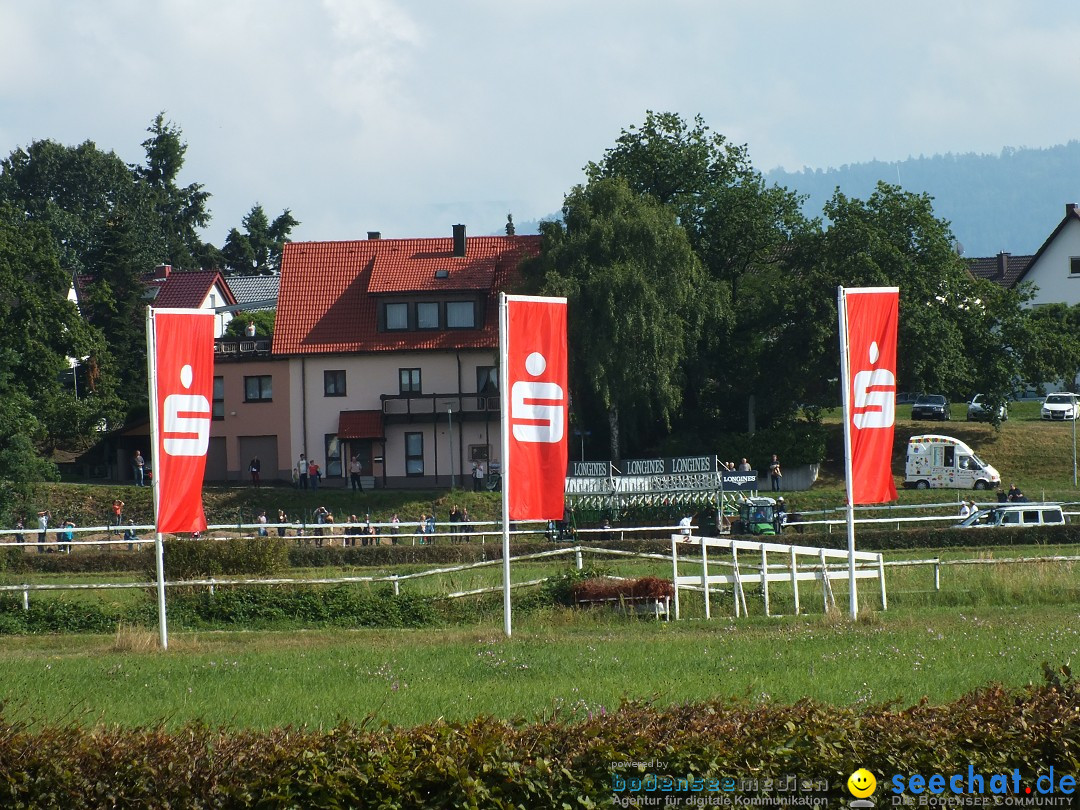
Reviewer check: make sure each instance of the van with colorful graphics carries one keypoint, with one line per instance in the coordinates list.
(942, 461)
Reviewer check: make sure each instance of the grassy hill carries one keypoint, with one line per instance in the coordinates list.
(1036, 455)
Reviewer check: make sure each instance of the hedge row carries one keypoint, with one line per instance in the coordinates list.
(551, 763)
(272, 555)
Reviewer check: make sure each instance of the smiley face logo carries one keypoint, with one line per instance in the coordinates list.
(861, 783)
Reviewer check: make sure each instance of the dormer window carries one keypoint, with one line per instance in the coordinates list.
(427, 315)
(397, 316)
(460, 315)
(442, 274)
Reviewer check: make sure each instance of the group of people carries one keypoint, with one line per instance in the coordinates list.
(65, 532)
(306, 473)
(1014, 495)
(775, 473)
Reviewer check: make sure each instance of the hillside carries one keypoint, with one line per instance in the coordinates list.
(1006, 202)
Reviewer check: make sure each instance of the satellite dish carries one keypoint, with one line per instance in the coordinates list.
(958, 247)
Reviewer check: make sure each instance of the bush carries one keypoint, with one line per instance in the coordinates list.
(255, 556)
(554, 762)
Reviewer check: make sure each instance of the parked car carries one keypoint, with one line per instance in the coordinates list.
(979, 409)
(1059, 406)
(1015, 514)
(931, 406)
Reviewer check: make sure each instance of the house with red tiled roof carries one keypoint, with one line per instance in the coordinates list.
(190, 289)
(386, 350)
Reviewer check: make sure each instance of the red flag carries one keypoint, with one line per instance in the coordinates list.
(535, 347)
(182, 382)
(872, 315)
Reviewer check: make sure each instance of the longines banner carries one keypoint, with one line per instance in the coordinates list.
(682, 465)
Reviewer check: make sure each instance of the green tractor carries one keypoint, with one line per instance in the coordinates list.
(758, 516)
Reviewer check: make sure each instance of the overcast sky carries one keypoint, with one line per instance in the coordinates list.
(408, 117)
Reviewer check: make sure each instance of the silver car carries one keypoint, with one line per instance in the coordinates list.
(980, 410)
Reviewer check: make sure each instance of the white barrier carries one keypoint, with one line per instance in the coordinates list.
(868, 565)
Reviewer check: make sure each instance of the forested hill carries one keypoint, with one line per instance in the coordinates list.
(1010, 202)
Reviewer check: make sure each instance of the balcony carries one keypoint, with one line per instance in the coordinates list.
(430, 407)
(242, 349)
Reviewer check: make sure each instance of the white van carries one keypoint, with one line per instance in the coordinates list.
(1016, 514)
(942, 461)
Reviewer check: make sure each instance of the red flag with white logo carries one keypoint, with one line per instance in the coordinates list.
(182, 387)
(536, 366)
(872, 317)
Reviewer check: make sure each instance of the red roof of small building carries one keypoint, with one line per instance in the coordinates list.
(330, 290)
(360, 425)
(182, 289)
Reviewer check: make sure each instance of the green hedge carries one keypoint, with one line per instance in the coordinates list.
(489, 763)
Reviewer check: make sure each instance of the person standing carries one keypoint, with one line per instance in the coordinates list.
(262, 524)
(302, 471)
(118, 514)
(774, 473)
(282, 519)
(395, 525)
(478, 476)
(463, 519)
(69, 537)
(255, 468)
(43, 529)
(130, 535)
(313, 473)
(138, 466)
(455, 519)
(744, 466)
(249, 330)
(354, 474)
(965, 509)
(20, 525)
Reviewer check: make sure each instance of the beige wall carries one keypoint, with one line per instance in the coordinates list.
(1051, 273)
(315, 415)
(254, 418)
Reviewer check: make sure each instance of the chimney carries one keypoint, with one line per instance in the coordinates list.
(162, 271)
(459, 240)
(374, 235)
(1072, 208)
(1002, 265)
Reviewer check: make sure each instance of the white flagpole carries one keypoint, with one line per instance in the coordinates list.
(504, 438)
(845, 381)
(159, 553)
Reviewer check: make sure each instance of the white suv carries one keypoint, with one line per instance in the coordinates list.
(1060, 406)
(1016, 514)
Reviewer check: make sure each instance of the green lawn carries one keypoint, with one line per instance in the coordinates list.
(557, 662)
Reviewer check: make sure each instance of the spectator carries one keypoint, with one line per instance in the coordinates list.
(255, 467)
(455, 519)
(351, 530)
(354, 474)
(262, 524)
(431, 527)
(43, 529)
(130, 535)
(314, 474)
(69, 537)
(774, 473)
(395, 525)
(249, 330)
(686, 526)
(463, 520)
(302, 471)
(966, 508)
(1001, 496)
(780, 518)
(282, 518)
(118, 514)
(320, 519)
(478, 477)
(138, 466)
(744, 466)
(20, 525)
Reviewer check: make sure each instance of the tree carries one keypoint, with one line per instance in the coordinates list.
(957, 334)
(257, 251)
(180, 210)
(40, 331)
(634, 289)
(741, 230)
(264, 323)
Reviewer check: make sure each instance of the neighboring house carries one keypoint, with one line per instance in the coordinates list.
(254, 293)
(190, 289)
(1054, 270)
(390, 354)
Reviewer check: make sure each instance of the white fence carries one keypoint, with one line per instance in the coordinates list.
(868, 565)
